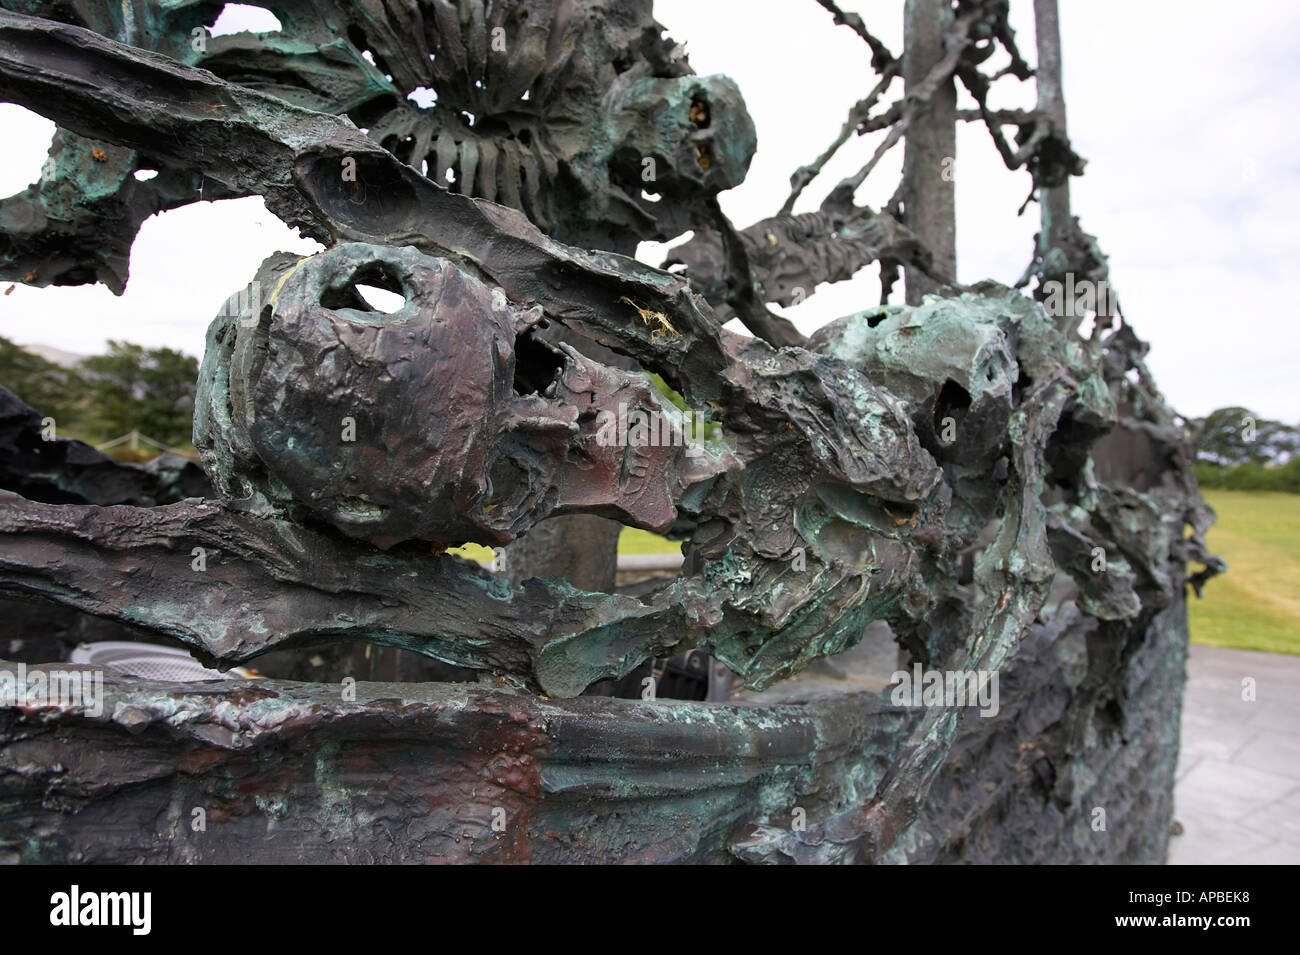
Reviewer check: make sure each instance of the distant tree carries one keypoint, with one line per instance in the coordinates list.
(147, 390)
(49, 388)
(115, 386)
(170, 382)
(1232, 436)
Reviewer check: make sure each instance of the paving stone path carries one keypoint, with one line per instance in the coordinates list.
(1238, 790)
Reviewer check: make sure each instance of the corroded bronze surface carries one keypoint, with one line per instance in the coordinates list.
(928, 466)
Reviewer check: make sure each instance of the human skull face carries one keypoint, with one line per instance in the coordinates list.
(695, 129)
(444, 420)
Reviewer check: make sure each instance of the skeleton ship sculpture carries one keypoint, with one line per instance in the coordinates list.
(929, 467)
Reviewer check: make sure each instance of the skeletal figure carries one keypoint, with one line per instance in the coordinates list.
(466, 426)
(553, 108)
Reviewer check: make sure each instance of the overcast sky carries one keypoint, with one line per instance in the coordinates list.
(1185, 112)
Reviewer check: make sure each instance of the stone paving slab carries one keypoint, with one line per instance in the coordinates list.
(1238, 791)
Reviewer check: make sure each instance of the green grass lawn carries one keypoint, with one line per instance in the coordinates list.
(633, 540)
(1256, 604)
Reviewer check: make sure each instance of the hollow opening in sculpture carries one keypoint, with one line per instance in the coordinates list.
(236, 18)
(374, 287)
(538, 366)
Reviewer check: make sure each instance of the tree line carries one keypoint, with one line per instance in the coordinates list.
(1239, 450)
(129, 388)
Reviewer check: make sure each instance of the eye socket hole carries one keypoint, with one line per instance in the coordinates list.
(380, 299)
(537, 365)
(953, 400)
(699, 113)
(372, 288)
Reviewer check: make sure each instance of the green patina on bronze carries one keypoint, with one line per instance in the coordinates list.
(928, 466)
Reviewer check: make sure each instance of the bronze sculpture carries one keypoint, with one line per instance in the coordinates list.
(923, 465)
